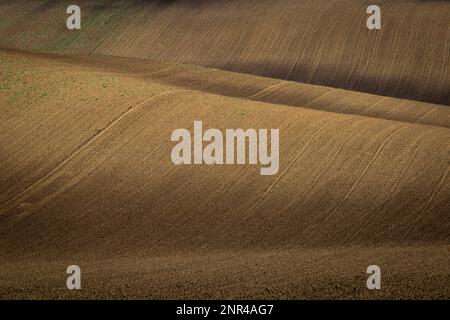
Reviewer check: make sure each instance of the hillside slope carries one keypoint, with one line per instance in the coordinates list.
(87, 178)
(310, 41)
(105, 138)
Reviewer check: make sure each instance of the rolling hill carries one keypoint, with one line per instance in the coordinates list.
(309, 41)
(86, 175)
(87, 179)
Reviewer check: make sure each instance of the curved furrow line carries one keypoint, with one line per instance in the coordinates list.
(82, 148)
(371, 215)
(355, 183)
(311, 185)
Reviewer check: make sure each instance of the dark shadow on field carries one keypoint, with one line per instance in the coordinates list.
(325, 73)
(325, 76)
(289, 93)
(203, 81)
(330, 76)
(122, 208)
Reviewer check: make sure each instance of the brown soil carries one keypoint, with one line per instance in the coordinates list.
(310, 41)
(87, 178)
